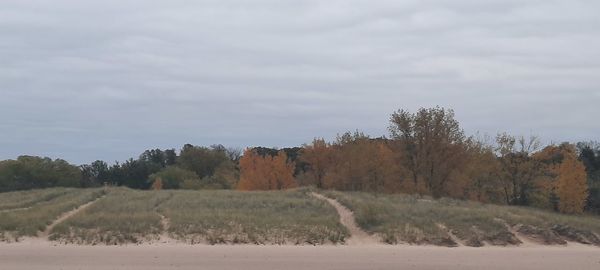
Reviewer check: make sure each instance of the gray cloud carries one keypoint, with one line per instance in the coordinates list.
(88, 80)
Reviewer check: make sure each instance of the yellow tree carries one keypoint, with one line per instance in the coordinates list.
(265, 172)
(318, 156)
(571, 187)
(282, 172)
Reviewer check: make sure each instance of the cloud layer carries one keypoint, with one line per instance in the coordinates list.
(88, 80)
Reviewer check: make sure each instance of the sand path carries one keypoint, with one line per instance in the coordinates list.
(164, 236)
(357, 235)
(66, 216)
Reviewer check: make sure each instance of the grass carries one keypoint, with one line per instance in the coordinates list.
(123, 216)
(277, 217)
(209, 216)
(19, 200)
(286, 217)
(415, 220)
(48, 207)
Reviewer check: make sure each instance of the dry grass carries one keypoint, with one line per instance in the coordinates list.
(415, 220)
(276, 217)
(51, 204)
(18, 200)
(123, 216)
(209, 216)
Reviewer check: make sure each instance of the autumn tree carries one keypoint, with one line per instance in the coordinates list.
(571, 187)
(433, 144)
(318, 156)
(478, 180)
(519, 171)
(265, 172)
(360, 163)
(589, 154)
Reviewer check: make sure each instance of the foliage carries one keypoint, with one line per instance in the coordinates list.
(361, 163)
(571, 189)
(589, 154)
(433, 145)
(519, 170)
(172, 177)
(28, 172)
(265, 172)
(203, 161)
(318, 156)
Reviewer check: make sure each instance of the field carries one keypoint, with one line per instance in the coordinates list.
(415, 220)
(115, 216)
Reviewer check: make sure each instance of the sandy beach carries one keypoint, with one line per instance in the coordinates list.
(48, 256)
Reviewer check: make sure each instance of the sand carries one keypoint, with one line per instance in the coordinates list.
(34, 255)
(357, 235)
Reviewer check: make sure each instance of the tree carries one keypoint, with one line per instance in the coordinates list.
(318, 157)
(572, 189)
(479, 180)
(589, 154)
(519, 171)
(265, 172)
(359, 163)
(433, 144)
(170, 157)
(27, 172)
(94, 174)
(173, 177)
(202, 160)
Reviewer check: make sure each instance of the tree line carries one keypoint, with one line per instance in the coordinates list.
(426, 152)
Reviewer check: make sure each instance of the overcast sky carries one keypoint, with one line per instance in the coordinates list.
(87, 80)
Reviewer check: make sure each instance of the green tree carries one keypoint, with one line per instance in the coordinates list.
(173, 177)
(27, 172)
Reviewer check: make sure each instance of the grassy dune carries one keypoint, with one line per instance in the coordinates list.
(410, 219)
(123, 216)
(18, 200)
(214, 217)
(50, 204)
(277, 217)
(287, 217)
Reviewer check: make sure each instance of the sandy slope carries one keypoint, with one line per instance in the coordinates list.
(38, 254)
(357, 235)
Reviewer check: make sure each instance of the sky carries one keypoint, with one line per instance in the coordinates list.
(88, 80)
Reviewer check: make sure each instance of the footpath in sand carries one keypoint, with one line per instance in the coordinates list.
(66, 216)
(357, 235)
